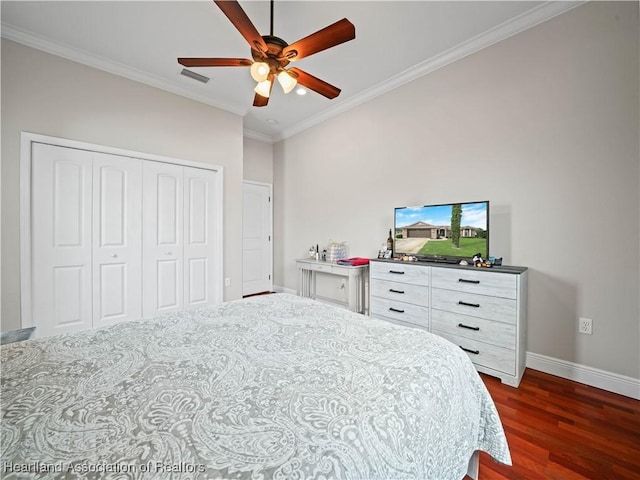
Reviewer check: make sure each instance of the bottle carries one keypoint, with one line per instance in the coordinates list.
(390, 242)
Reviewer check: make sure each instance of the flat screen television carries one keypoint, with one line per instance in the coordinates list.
(429, 231)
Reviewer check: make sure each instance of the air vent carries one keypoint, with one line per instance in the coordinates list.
(194, 75)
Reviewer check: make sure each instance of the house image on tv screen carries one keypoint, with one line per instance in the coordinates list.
(434, 232)
(451, 230)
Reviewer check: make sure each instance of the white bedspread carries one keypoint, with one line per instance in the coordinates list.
(274, 386)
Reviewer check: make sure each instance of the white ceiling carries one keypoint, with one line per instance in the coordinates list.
(396, 42)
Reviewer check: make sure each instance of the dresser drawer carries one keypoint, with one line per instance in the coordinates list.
(492, 308)
(403, 312)
(487, 331)
(480, 353)
(321, 267)
(401, 292)
(400, 272)
(481, 282)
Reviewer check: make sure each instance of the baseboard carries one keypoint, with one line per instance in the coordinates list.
(612, 382)
(279, 289)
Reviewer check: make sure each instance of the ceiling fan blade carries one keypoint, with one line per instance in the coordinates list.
(260, 101)
(240, 20)
(335, 34)
(313, 83)
(215, 62)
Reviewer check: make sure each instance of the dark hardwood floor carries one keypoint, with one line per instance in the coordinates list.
(256, 294)
(563, 430)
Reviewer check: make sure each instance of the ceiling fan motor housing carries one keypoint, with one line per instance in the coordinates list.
(273, 56)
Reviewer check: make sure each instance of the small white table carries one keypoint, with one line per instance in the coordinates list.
(357, 277)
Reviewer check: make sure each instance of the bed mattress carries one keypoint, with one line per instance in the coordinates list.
(270, 387)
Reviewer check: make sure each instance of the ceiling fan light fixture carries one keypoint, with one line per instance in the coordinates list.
(263, 89)
(286, 81)
(260, 71)
(271, 54)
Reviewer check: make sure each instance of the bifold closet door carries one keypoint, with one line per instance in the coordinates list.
(117, 239)
(86, 239)
(180, 250)
(162, 238)
(201, 253)
(61, 239)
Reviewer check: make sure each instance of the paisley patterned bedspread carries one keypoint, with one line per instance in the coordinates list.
(274, 386)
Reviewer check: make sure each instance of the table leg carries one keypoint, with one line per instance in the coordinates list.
(361, 308)
(353, 297)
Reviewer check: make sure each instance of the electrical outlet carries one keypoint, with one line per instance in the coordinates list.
(227, 282)
(585, 325)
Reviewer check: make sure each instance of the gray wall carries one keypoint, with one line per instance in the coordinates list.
(545, 126)
(258, 161)
(43, 93)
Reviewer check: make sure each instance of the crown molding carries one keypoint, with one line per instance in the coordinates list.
(261, 137)
(492, 36)
(80, 56)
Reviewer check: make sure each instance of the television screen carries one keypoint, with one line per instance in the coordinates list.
(449, 232)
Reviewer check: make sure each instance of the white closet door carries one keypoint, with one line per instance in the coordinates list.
(61, 239)
(201, 252)
(162, 238)
(117, 239)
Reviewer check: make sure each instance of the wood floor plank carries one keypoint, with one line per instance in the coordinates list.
(558, 429)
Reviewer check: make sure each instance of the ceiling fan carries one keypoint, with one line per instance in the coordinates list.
(271, 54)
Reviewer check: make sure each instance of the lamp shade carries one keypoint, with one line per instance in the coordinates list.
(286, 81)
(259, 71)
(263, 88)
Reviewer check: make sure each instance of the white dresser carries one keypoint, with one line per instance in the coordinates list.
(483, 311)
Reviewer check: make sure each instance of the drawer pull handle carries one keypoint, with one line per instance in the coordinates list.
(462, 325)
(396, 272)
(475, 352)
(475, 305)
(464, 280)
(397, 310)
(396, 291)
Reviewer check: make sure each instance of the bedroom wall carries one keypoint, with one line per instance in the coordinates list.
(545, 126)
(46, 94)
(258, 160)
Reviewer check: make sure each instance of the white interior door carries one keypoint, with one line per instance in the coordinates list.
(201, 249)
(117, 239)
(162, 238)
(61, 239)
(256, 239)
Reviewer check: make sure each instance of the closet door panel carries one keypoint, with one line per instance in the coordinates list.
(197, 282)
(167, 275)
(162, 238)
(61, 239)
(201, 251)
(117, 233)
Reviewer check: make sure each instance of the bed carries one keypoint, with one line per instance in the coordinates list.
(269, 387)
